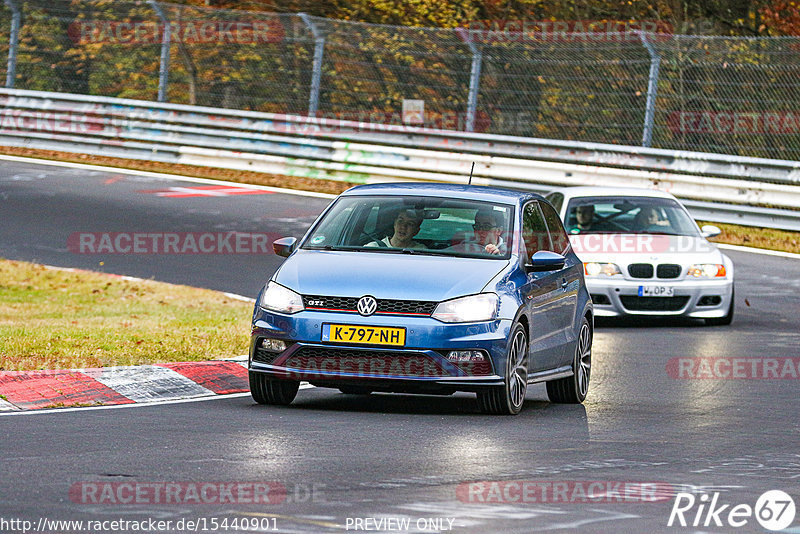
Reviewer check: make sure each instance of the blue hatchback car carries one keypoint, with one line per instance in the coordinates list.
(426, 288)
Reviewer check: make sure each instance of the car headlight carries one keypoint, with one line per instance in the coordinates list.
(280, 299)
(601, 269)
(472, 309)
(707, 270)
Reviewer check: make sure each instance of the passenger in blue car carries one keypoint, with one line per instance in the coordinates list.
(487, 232)
(406, 226)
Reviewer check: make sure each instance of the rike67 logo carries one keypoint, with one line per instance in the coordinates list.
(774, 510)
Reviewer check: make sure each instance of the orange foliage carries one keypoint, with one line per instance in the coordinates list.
(782, 17)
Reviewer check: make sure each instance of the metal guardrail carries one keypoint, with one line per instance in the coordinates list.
(634, 82)
(750, 191)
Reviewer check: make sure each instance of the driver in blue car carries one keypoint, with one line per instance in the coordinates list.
(406, 226)
(486, 233)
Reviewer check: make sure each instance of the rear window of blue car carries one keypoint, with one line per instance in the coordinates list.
(442, 226)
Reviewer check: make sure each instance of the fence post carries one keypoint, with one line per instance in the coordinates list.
(316, 75)
(163, 71)
(474, 78)
(652, 90)
(13, 43)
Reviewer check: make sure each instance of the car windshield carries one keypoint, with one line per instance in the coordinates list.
(628, 215)
(415, 225)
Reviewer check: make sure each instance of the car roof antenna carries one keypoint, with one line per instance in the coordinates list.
(470, 173)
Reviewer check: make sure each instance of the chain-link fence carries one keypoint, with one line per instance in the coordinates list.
(716, 94)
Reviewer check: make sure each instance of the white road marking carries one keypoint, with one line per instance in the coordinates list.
(139, 405)
(234, 296)
(189, 192)
(763, 251)
(165, 176)
(121, 406)
(7, 406)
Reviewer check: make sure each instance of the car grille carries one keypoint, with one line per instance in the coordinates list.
(634, 303)
(640, 270)
(668, 270)
(265, 356)
(385, 306)
(483, 368)
(334, 361)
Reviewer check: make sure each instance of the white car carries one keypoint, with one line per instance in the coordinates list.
(643, 254)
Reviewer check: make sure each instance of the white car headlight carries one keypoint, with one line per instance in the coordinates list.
(472, 309)
(280, 299)
(707, 270)
(601, 269)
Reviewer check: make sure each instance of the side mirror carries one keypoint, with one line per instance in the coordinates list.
(284, 246)
(710, 230)
(544, 260)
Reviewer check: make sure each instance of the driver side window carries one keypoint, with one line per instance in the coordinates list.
(534, 230)
(558, 236)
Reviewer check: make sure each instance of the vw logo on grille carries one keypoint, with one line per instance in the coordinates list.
(367, 305)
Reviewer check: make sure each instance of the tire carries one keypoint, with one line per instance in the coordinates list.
(355, 390)
(509, 398)
(727, 319)
(266, 390)
(573, 389)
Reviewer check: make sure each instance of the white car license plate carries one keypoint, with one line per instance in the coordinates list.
(656, 291)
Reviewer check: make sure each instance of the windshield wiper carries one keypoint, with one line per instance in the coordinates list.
(434, 252)
(663, 233)
(332, 248)
(410, 251)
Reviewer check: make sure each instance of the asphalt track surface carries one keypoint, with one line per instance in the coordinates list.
(343, 458)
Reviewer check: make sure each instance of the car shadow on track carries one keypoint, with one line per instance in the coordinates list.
(326, 399)
(403, 403)
(571, 419)
(642, 321)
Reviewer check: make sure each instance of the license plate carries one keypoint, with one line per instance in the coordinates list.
(364, 335)
(656, 291)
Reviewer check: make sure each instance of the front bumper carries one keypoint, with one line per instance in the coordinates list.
(420, 365)
(619, 297)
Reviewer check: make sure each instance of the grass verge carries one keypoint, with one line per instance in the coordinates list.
(53, 319)
(231, 175)
(748, 236)
(733, 234)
